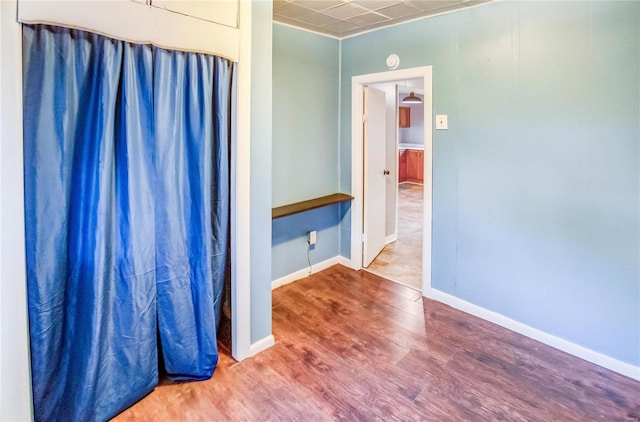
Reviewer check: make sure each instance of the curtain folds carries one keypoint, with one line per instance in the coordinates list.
(126, 194)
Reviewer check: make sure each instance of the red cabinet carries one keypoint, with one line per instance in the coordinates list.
(411, 166)
(404, 117)
(402, 166)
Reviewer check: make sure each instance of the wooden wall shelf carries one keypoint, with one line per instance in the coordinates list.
(311, 204)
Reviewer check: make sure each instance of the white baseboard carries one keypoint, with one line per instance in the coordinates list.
(320, 266)
(261, 345)
(589, 355)
(391, 238)
(343, 261)
(353, 264)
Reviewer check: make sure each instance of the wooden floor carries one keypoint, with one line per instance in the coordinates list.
(354, 346)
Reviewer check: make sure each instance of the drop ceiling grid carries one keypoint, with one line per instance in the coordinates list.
(341, 18)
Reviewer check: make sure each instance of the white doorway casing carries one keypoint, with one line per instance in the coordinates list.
(357, 162)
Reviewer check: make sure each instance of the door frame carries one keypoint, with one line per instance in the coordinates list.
(357, 162)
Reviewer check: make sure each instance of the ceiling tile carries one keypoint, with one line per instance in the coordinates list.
(278, 3)
(474, 2)
(318, 4)
(291, 10)
(317, 19)
(292, 22)
(341, 27)
(428, 5)
(340, 18)
(448, 8)
(399, 11)
(368, 19)
(345, 11)
(376, 4)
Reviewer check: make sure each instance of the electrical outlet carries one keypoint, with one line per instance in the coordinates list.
(312, 237)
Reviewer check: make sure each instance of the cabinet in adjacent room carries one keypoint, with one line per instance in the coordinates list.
(404, 117)
(402, 166)
(411, 166)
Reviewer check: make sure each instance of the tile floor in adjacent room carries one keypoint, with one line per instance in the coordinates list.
(401, 261)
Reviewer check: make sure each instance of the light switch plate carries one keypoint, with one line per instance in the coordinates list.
(442, 121)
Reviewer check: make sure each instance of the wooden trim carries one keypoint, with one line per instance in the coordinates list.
(310, 204)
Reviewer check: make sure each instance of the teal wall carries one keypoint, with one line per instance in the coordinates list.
(261, 122)
(305, 145)
(536, 188)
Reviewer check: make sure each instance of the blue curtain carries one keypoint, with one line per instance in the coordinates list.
(126, 204)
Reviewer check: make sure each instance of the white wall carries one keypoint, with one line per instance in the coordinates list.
(15, 387)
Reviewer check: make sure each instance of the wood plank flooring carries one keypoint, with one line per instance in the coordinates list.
(354, 346)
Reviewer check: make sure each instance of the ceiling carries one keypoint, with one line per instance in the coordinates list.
(342, 18)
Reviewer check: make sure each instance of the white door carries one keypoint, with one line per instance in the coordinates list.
(375, 172)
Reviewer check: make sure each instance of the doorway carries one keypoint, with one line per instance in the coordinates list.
(358, 164)
(400, 259)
